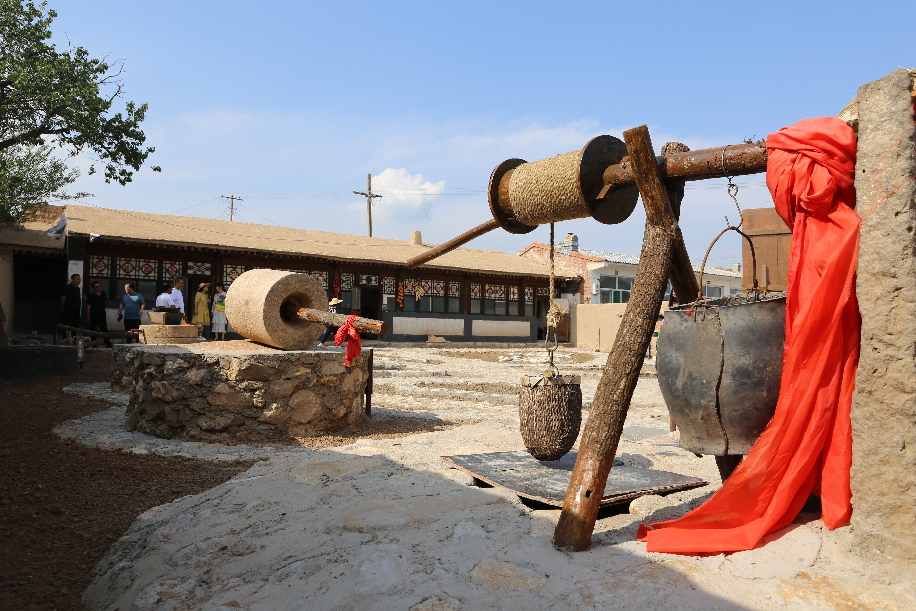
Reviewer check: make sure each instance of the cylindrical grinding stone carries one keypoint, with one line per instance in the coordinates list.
(261, 305)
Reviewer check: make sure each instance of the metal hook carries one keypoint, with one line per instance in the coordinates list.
(732, 192)
(556, 342)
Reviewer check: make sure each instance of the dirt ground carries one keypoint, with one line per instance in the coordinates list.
(62, 504)
(493, 357)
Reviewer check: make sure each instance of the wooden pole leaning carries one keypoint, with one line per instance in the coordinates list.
(88, 333)
(615, 389)
(363, 325)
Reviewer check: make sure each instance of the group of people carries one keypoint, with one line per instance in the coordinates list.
(209, 312)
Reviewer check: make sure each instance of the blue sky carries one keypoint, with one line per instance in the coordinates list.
(290, 104)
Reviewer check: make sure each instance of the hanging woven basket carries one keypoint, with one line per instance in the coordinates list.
(550, 413)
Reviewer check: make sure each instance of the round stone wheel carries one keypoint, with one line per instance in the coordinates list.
(261, 305)
(168, 334)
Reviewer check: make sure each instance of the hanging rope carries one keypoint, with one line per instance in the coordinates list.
(554, 313)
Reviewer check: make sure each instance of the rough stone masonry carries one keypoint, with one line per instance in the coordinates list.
(262, 394)
(884, 404)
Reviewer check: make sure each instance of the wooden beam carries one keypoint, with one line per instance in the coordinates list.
(363, 325)
(615, 389)
(454, 243)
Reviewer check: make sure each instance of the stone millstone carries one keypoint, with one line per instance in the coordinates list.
(168, 334)
(261, 306)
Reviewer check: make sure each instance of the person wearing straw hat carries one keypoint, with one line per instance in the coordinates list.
(202, 310)
(330, 332)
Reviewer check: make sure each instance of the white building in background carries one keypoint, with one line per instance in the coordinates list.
(611, 279)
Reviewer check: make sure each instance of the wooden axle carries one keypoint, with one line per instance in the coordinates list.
(363, 325)
(608, 189)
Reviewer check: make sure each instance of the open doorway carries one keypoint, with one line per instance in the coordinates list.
(370, 305)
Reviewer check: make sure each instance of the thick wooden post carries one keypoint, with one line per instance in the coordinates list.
(612, 399)
(683, 280)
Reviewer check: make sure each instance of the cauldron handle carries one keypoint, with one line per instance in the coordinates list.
(708, 250)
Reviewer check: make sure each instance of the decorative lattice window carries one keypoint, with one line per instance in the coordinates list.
(171, 269)
(389, 284)
(475, 291)
(346, 282)
(438, 288)
(496, 291)
(543, 291)
(513, 293)
(231, 272)
(139, 269)
(322, 278)
(368, 280)
(410, 285)
(529, 293)
(101, 265)
(454, 289)
(198, 269)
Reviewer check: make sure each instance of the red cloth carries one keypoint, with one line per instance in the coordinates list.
(807, 446)
(354, 343)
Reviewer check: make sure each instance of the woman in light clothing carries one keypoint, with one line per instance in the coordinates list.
(202, 310)
(218, 321)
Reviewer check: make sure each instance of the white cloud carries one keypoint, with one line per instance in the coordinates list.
(400, 189)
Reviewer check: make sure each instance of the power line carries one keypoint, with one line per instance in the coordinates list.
(195, 205)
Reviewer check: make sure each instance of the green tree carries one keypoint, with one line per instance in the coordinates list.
(59, 98)
(29, 177)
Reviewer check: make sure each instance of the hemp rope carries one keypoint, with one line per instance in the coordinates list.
(547, 190)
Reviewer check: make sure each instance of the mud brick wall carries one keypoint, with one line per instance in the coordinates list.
(884, 405)
(244, 397)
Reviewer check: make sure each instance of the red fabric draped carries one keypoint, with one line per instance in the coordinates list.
(807, 446)
(354, 343)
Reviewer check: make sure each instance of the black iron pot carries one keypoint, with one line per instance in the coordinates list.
(719, 365)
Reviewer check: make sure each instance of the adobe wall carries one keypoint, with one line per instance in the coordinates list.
(197, 392)
(884, 404)
(594, 326)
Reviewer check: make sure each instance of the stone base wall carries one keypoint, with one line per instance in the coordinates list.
(176, 391)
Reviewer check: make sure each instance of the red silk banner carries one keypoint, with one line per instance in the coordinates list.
(807, 446)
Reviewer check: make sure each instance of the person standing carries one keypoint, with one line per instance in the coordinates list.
(218, 321)
(202, 310)
(71, 302)
(330, 332)
(95, 311)
(131, 308)
(164, 300)
(178, 298)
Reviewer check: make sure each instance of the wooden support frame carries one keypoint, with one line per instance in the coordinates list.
(615, 389)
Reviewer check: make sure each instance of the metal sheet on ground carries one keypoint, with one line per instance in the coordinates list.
(546, 481)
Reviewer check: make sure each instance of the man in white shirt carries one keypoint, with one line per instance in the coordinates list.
(165, 299)
(177, 297)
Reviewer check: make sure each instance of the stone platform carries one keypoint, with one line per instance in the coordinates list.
(238, 390)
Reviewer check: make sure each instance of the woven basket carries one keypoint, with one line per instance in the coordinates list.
(550, 415)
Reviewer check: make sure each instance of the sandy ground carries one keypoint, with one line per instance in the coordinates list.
(382, 523)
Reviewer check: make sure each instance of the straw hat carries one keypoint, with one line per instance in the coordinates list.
(202, 285)
(335, 301)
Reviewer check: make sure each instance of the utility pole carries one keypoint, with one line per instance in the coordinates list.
(232, 199)
(369, 197)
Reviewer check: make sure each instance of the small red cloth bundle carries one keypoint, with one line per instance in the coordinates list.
(354, 343)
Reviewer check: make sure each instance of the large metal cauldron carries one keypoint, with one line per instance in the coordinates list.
(719, 365)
